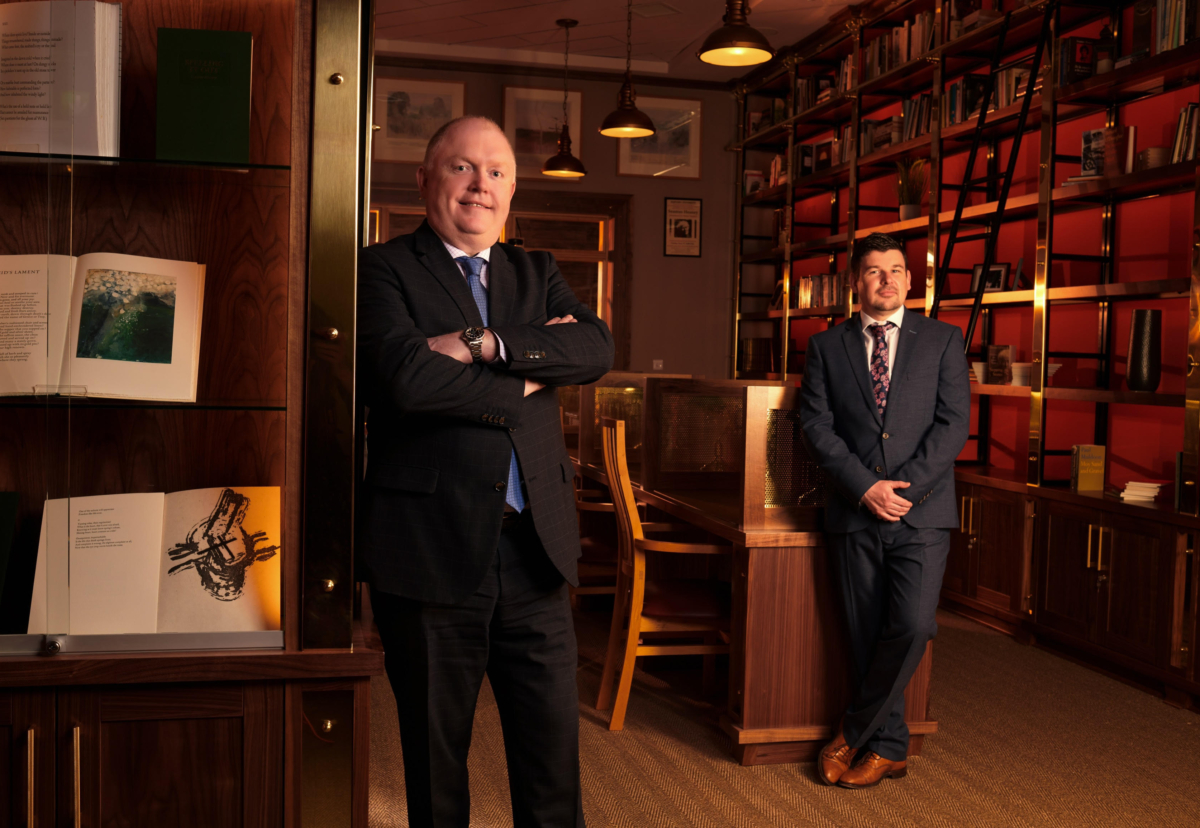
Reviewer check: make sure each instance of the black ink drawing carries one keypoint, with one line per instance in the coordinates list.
(220, 550)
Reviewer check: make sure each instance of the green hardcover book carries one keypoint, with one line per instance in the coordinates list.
(204, 96)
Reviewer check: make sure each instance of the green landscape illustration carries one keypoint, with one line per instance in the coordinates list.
(127, 316)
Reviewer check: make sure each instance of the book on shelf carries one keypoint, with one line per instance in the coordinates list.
(75, 110)
(1145, 490)
(1077, 59)
(778, 173)
(203, 103)
(1087, 468)
(980, 17)
(100, 325)
(963, 99)
(804, 154)
(1131, 58)
(1178, 24)
(820, 291)
(823, 155)
(754, 122)
(1184, 146)
(753, 181)
(914, 116)
(810, 89)
(203, 560)
(876, 134)
(1091, 155)
(999, 364)
(898, 46)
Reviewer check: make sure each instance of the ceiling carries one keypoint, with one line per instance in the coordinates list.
(666, 33)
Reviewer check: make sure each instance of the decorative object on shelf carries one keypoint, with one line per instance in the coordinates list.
(979, 369)
(673, 151)
(1143, 370)
(564, 164)
(534, 123)
(77, 109)
(1152, 157)
(682, 231)
(1020, 373)
(736, 43)
(1087, 468)
(627, 121)
(754, 180)
(999, 364)
(1106, 51)
(757, 355)
(204, 96)
(912, 179)
(103, 325)
(1143, 26)
(997, 278)
(412, 110)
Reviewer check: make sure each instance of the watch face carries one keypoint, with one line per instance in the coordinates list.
(473, 333)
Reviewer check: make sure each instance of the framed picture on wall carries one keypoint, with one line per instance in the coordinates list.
(533, 120)
(682, 232)
(408, 112)
(673, 151)
(997, 278)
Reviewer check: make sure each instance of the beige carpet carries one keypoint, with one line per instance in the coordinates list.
(1026, 739)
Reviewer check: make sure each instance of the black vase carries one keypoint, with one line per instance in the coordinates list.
(1144, 369)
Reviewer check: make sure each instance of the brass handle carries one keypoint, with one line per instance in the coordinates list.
(1100, 549)
(75, 751)
(328, 333)
(974, 500)
(31, 770)
(1089, 549)
(962, 514)
(336, 78)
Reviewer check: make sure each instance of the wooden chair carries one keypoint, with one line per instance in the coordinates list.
(678, 608)
(598, 561)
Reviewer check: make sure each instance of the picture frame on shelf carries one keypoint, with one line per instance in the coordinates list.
(408, 113)
(533, 120)
(997, 278)
(673, 151)
(682, 225)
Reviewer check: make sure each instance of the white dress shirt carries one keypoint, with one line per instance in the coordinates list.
(486, 255)
(892, 337)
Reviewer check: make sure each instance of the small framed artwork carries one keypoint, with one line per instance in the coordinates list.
(533, 120)
(408, 112)
(673, 151)
(997, 278)
(682, 232)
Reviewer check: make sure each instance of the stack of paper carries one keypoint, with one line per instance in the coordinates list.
(1140, 490)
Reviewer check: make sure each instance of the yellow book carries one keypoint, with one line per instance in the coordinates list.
(1087, 468)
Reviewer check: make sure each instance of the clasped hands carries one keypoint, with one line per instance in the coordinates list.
(883, 501)
(454, 346)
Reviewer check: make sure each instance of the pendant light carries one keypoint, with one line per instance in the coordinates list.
(737, 43)
(565, 165)
(627, 121)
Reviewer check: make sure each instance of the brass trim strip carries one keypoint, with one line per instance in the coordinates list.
(77, 774)
(1089, 546)
(30, 775)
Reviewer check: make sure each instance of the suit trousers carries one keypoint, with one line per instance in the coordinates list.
(890, 576)
(517, 629)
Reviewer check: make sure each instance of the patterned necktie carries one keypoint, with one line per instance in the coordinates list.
(879, 364)
(472, 266)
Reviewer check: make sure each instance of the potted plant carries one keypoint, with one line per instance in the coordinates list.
(911, 181)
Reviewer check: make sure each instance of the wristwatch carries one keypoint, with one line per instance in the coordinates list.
(474, 339)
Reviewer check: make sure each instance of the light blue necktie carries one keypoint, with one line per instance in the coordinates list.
(472, 266)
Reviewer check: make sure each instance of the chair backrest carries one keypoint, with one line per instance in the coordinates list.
(629, 524)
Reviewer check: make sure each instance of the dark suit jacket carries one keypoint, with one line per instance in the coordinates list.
(924, 427)
(440, 433)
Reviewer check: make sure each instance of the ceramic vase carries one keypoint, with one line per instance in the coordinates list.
(1144, 368)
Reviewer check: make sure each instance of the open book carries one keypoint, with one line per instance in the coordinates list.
(61, 64)
(103, 325)
(204, 560)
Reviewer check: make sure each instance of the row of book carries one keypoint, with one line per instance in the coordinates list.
(768, 116)
(1178, 23)
(822, 290)
(1088, 473)
(876, 134)
(899, 46)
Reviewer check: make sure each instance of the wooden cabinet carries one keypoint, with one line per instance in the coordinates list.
(988, 564)
(1104, 579)
(26, 757)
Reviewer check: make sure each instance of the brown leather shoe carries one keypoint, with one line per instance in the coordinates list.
(835, 760)
(870, 770)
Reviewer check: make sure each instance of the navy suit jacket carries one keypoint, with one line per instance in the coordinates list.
(440, 433)
(924, 427)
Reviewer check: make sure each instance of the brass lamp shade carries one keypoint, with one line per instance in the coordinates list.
(737, 43)
(627, 121)
(564, 164)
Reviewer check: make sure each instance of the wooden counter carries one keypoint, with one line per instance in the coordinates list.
(788, 669)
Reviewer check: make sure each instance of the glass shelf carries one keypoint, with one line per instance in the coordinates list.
(114, 161)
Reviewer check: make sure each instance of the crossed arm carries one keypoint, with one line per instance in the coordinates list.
(417, 373)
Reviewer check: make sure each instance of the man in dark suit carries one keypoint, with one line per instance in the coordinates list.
(467, 524)
(885, 405)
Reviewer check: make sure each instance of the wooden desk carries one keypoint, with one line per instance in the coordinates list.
(788, 668)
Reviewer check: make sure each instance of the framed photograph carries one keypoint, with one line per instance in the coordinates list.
(671, 152)
(533, 120)
(997, 278)
(682, 231)
(408, 112)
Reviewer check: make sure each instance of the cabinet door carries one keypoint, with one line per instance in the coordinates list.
(962, 544)
(1066, 596)
(187, 755)
(1000, 548)
(1134, 563)
(26, 758)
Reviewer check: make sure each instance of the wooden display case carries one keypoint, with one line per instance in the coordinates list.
(226, 737)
